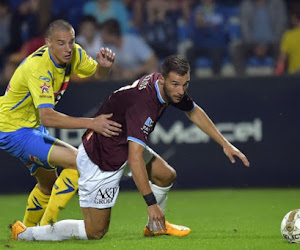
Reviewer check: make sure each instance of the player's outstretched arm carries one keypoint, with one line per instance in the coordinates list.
(105, 59)
(231, 151)
(201, 119)
(100, 124)
(140, 176)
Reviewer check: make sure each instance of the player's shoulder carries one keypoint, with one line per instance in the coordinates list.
(149, 79)
(291, 33)
(38, 59)
(78, 50)
(79, 54)
(147, 82)
(147, 87)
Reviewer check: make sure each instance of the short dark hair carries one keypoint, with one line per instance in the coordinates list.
(88, 18)
(59, 24)
(112, 27)
(175, 63)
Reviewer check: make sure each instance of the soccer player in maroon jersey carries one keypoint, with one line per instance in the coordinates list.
(102, 161)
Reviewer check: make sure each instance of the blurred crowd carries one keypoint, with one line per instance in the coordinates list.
(219, 38)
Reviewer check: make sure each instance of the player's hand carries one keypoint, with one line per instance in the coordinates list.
(156, 216)
(106, 127)
(231, 151)
(105, 57)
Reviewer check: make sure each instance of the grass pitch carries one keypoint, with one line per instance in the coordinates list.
(219, 219)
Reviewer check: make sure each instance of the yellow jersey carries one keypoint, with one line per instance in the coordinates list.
(290, 45)
(39, 82)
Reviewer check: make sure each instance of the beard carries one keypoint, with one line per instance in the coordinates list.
(169, 97)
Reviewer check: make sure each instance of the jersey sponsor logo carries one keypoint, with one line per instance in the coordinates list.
(106, 196)
(147, 126)
(45, 88)
(45, 79)
(70, 187)
(45, 96)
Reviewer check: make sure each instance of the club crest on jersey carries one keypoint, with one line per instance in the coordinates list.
(147, 126)
(45, 88)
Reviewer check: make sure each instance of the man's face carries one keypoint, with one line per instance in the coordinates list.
(175, 86)
(108, 38)
(61, 44)
(88, 30)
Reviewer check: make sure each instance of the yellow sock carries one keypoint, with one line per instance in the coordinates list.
(36, 205)
(63, 190)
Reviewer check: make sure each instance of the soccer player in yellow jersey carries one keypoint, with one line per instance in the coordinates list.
(28, 107)
(289, 57)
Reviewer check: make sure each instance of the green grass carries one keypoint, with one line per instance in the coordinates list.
(219, 219)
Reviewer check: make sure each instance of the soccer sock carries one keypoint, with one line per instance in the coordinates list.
(62, 230)
(36, 205)
(63, 190)
(160, 194)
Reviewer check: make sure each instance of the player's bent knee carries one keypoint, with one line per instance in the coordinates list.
(172, 175)
(96, 234)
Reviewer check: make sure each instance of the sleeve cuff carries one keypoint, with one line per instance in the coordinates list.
(129, 138)
(46, 105)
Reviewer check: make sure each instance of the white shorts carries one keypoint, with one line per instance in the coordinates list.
(98, 188)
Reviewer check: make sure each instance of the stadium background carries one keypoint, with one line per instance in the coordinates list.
(260, 115)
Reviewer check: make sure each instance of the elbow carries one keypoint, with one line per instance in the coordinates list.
(46, 117)
(45, 122)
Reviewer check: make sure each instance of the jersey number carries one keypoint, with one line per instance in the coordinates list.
(40, 52)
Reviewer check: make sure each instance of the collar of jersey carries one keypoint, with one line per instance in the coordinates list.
(56, 65)
(158, 93)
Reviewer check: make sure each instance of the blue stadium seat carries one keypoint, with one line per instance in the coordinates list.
(257, 62)
(182, 31)
(204, 62)
(62, 9)
(233, 22)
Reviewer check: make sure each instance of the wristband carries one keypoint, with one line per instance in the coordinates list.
(150, 199)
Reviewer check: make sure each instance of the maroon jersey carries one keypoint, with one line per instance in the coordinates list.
(137, 108)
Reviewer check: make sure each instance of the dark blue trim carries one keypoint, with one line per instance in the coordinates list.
(50, 74)
(56, 65)
(19, 103)
(46, 105)
(70, 187)
(158, 93)
(80, 53)
(37, 205)
(130, 138)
